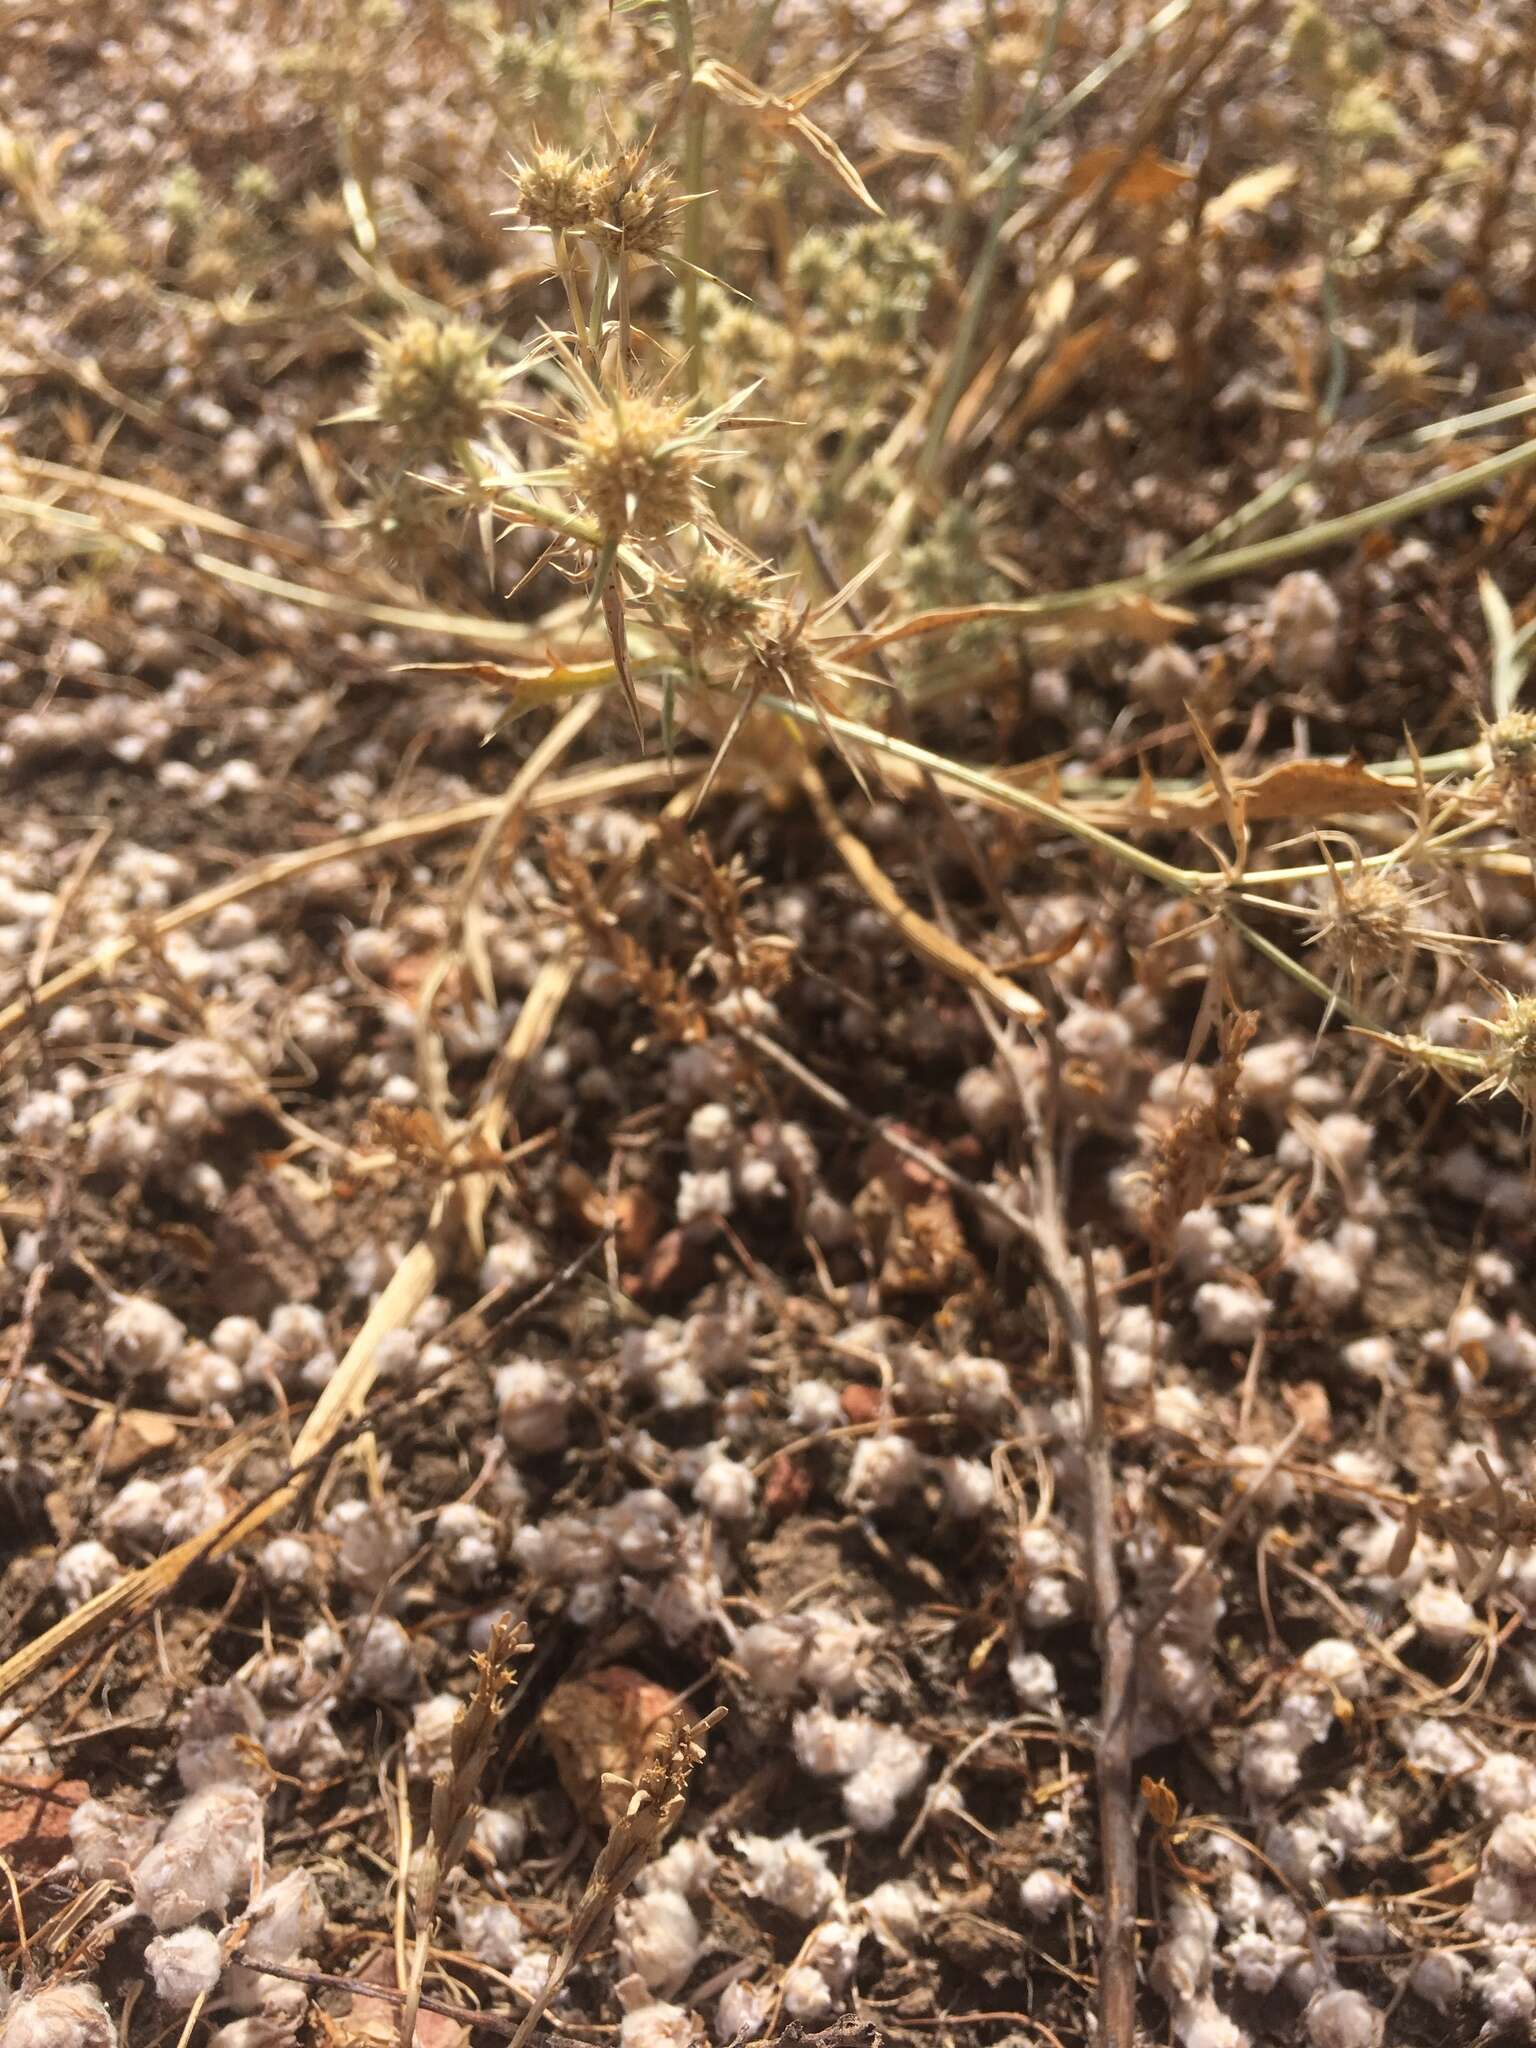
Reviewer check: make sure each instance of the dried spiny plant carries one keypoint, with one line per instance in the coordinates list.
(1512, 751)
(432, 382)
(1511, 1058)
(736, 956)
(1372, 921)
(400, 1145)
(455, 1796)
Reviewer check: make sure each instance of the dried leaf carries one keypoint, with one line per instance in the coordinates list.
(1147, 177)
(604, 1726)
(785, 116)
(1232, 805)
(1402, 1548)
(633, 1214)
(366, 2022)
(1062, 368)
(1298, 792)
(1128, 615)
(1146, 620)
(1308, 1402)
(137, 1434)
(1250, 193)
(1161, 1802)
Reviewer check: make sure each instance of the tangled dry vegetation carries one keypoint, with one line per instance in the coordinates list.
(769, 999)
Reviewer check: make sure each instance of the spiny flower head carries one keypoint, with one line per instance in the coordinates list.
(320, 217)
(182, 199)
(853, 363)
(1512, 750)
(635, 466)
(1400, 372)
(555, 190)
(1372, 919)
(557, 72)
(1512, 1055)
(432, 380)
(720, 597)
(879, 274)
(84, 234)
(633, 205)
(780, 658)
(408, 522)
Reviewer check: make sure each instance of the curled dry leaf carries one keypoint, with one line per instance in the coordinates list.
(1161, 1802)
(1140, 180)
(1296, 790)
(604, 1726)
(129, 1438)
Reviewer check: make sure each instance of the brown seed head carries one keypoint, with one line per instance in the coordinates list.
(1512, 1059)
(1373, 918)
(781, 661)
(632, 205)
(1512, 748)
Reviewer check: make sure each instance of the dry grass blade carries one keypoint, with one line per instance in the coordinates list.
(785, 115)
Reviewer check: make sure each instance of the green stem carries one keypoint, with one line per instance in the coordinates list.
(1185, 881)
(1178, 576)
(1207, 888)
(974, 123)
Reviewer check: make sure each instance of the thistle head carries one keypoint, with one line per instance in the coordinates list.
(1512, 750)
(432, 380)
(1512, 1052)
(720, 597)
(633, 206)
(1369, 922)
(554, 189)
(781, 660)
(634, 467)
